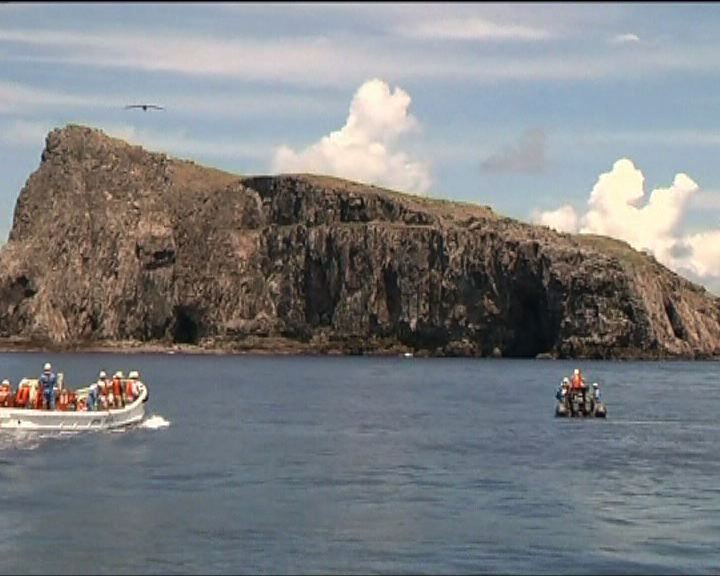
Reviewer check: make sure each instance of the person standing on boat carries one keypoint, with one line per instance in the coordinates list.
(562, 389)
(94, 389)
(578, 384)
(48, 381)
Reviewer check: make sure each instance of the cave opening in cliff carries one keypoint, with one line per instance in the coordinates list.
(185, 329)
(319, 304)
(529, 326)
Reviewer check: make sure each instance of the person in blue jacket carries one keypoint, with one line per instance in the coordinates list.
(562, 389)
(94, 390)
(48, 381)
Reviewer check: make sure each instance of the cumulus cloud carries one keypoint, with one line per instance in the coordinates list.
(705, 248)
(618, 207)
(365, 149)
(527, 155)
(564, 219)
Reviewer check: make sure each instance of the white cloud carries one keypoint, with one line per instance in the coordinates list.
(616, 210)
(625, 39)
(322, 60)
(471, 29)
(304, 61)
(705, 248)
(564, 219)
(365, 148)
(617, 207)
(527, 155)
(307, 59)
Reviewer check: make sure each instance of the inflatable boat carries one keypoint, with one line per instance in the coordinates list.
(572, 405)
(20, 411)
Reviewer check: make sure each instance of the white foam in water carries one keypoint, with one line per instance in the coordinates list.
(19, 440)
(154, 423)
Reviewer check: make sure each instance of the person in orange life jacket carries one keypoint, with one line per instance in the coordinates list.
(117, 391)
(132, 390)
(6, 393)
(577, 384)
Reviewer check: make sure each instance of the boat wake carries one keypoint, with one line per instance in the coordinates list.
(154, 423)
(29, 439)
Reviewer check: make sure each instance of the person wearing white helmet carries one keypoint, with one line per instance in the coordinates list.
(117, 391)
(562, 389)
(94, 391)
(5, 392)
(577, 385)
(132, 389)
(596, 392)
(102, 390)
(48, 381)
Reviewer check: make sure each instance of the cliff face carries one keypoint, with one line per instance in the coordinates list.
(110, 242)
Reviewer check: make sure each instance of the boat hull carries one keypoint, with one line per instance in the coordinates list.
(56, 420)
(591, 410)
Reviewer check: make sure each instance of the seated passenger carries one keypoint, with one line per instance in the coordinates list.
(6, 393)
(117, 391)
(103, 390)
(132, 389)
(22, 398)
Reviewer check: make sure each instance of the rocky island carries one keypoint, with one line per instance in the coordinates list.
(117, 247)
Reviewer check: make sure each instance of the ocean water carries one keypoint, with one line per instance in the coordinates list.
(305, 465)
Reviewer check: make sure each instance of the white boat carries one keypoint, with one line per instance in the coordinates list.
(59, 420)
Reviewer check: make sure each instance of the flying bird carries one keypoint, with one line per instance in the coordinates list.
(145, 107)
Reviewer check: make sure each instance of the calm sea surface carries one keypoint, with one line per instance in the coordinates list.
(370, 465)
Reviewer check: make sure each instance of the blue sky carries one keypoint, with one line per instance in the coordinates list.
(585, 117)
